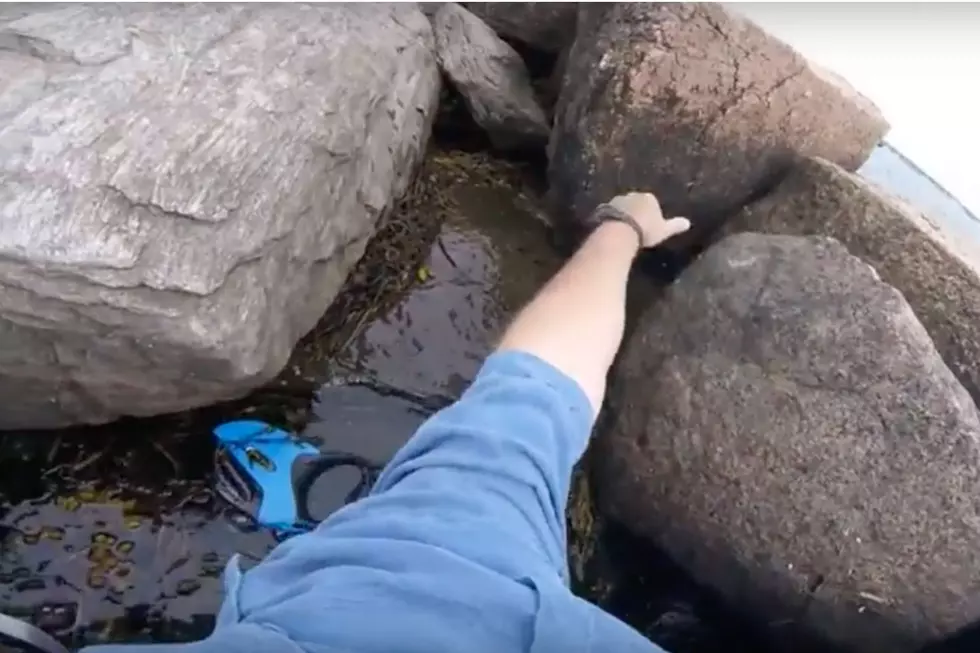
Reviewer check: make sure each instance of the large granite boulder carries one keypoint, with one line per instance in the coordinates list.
(184, 188)
(697, 104)
(786, 430)
(937, 270)
(547, 26)
(491, 77)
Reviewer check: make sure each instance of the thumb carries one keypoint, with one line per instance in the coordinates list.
(677, 226)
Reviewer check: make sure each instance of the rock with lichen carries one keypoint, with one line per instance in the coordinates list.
(696, 104)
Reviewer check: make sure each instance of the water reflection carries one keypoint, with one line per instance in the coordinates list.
(93, 565)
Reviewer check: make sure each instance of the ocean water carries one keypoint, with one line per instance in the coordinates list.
(888, 168)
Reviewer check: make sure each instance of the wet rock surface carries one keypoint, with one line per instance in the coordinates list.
(698, 105)
(185, 188)
(786, 430)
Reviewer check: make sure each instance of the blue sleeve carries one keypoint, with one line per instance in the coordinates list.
(502, 456)
(460, 546)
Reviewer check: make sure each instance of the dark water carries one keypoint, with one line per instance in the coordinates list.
(487, 262)
(366, 420)
(140, 559)
(118, 550)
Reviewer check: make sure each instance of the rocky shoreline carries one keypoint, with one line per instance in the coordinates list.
(217, 224)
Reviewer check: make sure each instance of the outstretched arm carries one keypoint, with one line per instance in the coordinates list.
(576, 321)
(461, 545)
(515, 435)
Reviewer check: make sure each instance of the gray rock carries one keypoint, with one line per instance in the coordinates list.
(787, 431)
(696, 104)
(183, 189)
(492, 79)
(936, 271)
(547, 26)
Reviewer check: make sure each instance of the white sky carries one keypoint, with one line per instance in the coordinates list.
(920, 63)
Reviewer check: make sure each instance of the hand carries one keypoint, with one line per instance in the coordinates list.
(645, 209)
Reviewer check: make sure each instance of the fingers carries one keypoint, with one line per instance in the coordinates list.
(645, 209)
(676, 226)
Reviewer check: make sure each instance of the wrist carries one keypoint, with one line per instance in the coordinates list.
(618, 236)
(606, 213)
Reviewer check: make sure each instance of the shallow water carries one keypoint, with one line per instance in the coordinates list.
(131, 555)
(489, 258)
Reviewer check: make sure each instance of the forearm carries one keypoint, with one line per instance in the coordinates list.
(576, 321)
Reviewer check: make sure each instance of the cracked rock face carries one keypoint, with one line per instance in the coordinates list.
(787, 431)
(492, 79)
(697, 104)
(184, 188)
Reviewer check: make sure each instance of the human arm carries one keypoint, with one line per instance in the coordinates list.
(576, 321)
(520, 428)
(461, 545)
